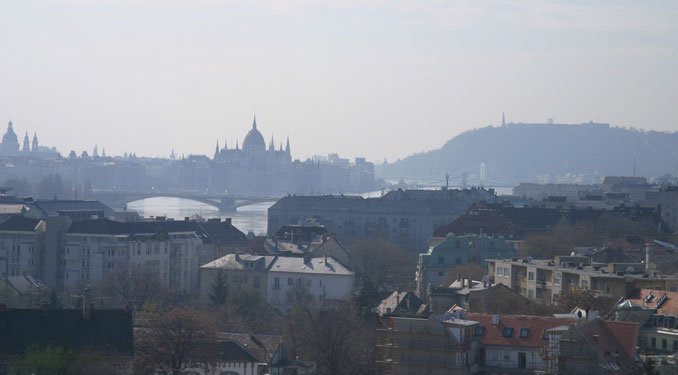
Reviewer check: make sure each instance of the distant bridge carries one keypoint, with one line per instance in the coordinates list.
(225, 203)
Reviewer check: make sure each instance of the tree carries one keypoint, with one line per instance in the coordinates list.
(20, 187)
(174, 337)
(380, 262)
(52, 360)
(584, 298)
(132, 286)
(219, 290)
(332, 334)
(544, 246)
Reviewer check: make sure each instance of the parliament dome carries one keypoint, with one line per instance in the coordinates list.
(254, 140)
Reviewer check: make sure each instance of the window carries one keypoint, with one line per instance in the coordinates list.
(276, 283)
(479, 330)
(530, 276)
(458, 260)
(308, 282)
(256, 282)
(664, 346)
(524, 332)
(441, 260)
(508, 332)
(653, 342)
(440, 273)
(290, 281)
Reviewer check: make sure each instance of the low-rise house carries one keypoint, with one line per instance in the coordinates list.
(477, 296)
(518, 343)
(599, 347)
(239, 354)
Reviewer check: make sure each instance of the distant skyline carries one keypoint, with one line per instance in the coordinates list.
(366, 78)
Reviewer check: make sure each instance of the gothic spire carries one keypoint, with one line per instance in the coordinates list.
(216, 150)
(35, 142)
(225, 144)
(271, 146)
(27, 143)
(287, 146)
(236, 145)
(254, 123)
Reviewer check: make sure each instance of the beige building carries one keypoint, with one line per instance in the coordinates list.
(545, 280)
(246, 273)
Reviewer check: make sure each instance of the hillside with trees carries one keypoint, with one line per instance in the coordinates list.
(516, 153)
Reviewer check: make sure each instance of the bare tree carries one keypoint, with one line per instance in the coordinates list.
(333, 334)
(172, 338)
(380, 262)
(132, 286)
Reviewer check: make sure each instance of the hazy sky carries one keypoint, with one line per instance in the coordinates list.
(381, 79)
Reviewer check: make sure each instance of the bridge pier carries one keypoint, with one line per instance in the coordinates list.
(227, 204)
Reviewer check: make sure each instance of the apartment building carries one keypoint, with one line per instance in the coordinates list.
(435, 265)
(545, 280)
(656, 312)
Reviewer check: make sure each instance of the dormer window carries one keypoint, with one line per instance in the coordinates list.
(508, 332)
(524, 332)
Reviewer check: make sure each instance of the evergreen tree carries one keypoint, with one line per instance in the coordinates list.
(219, 291)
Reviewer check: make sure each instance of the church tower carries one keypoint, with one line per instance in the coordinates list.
(27, 144)
(216, 151)
(35, 142)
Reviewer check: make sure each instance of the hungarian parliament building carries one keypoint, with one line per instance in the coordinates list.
(252, 169)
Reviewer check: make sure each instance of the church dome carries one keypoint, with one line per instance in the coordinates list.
(11, 138)
(254, 140)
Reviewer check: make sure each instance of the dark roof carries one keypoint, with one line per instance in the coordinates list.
(248, 347)
(107, 330)
(53, 207)
(608, 337)
(19, 223)
(412, 202)
(487, 221)
(210, 231)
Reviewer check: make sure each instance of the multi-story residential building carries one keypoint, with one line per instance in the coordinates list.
(666, 198)
(95, 248)
(656, 312)
(408, 218)
(545, 280)
(446, 344)
(273, 278)
(435, 265)
(65, 253)
(21, 246)
(324, 278)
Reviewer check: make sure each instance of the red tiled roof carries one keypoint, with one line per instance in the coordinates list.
(668, 307)
(609, 337)
(494, 334)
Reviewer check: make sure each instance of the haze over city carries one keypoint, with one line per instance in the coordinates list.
(362, 78)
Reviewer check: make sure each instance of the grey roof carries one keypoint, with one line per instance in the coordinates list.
(19, 224)
(237, 261)
(384, 205)
(311, 266)
(260, 347)
(52, 207)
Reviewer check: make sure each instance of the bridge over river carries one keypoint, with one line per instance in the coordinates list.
(225, 203)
